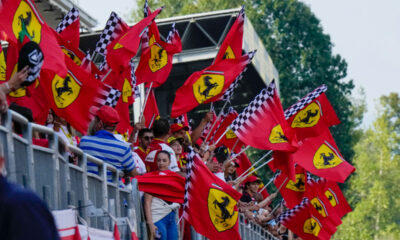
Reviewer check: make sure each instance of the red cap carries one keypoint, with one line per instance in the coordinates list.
(251, 179)
(108, 115)
(178, 126)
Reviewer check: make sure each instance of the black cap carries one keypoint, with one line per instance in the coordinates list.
(30, 55)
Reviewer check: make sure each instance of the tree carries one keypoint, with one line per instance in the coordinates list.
(300, 50)
(373, 190)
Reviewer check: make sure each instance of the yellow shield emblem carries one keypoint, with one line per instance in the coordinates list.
(308, 117)
(299, 185)
(158, 57)
(20, 92)
(276, 135)
(25, 22)
(65, 91)
(319, 206)
(3, 67)
(229, 53)
(312, 226)
(207, 86)
(221, 209)
(331, 197)
(326, 158)
(71, 55)
(126, 90)
(230, 134)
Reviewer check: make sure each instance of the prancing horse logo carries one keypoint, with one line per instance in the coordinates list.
(208, 85)
(27, 23)
(222, 210)
(66, 90)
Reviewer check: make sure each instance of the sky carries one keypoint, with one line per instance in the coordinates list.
(366, 33)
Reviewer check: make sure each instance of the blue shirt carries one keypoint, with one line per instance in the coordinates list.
(23, 215)
(105, 146)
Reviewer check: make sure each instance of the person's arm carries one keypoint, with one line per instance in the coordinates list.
(196, 133)
(133, 173)
(14, 83)
(267, 200)
(147, 211)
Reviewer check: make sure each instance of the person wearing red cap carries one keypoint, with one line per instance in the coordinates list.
(105, 146)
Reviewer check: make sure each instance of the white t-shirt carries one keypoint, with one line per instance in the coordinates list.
(140, 167)
(173, 166)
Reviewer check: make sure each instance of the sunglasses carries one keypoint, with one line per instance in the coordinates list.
(147, 138)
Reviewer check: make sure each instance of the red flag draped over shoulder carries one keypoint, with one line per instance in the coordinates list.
(231, 47)
(19, 19)
(210, 203)
(121, 50)
(320, 156)
(73, 97)
(156, 58)
(262, 124)
(166, 185)
(312, 114)
(207, 85)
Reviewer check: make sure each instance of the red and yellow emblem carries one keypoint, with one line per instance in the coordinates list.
(71, 55)
(230, 134)
(277, 135)
(299, 185)
(312, 226)
(331, 197)
(65, 91)
(3, 66)
(325, 158)
(308, 117)
(209, 85)
(126, 90)
(221, 209)
(229, 53)
(27, 23)
(158, 55)
(319, 206)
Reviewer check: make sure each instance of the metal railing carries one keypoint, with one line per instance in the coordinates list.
(63, 185)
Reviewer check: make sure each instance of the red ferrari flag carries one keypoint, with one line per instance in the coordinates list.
(331, 195)
(292, 191)
(229, 139)
(69, 27)
(232, 45)
(304, 224)
(3, 65)
(166, 185)
(262, 124)
(121, 50)
(20, 20)
(156, 58)
(151, 112)
(210, 204)
(320, 156)
(312, 114)
(208, 85)
(74, 97)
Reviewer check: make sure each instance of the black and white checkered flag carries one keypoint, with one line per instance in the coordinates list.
(171, 33)
(292, 110)
(111, 31)
(110, 96)
(292, 212)
(137, 92)
(258, 101)
(180, 119)
(189, 170)
(133, 76)
(229, 93)
(69, 18)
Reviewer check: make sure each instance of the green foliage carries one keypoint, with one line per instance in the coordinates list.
(373, 190)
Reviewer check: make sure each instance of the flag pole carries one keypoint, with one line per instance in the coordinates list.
(216, 120)
(252, 171)
(242, 151)
(220, 138)
(145, 101)
(236, 143)
(279, 188)
(182, 229)
(105, 76)
(259, 160)
(268, 183)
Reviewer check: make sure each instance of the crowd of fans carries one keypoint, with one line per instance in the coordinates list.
(163, 148)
